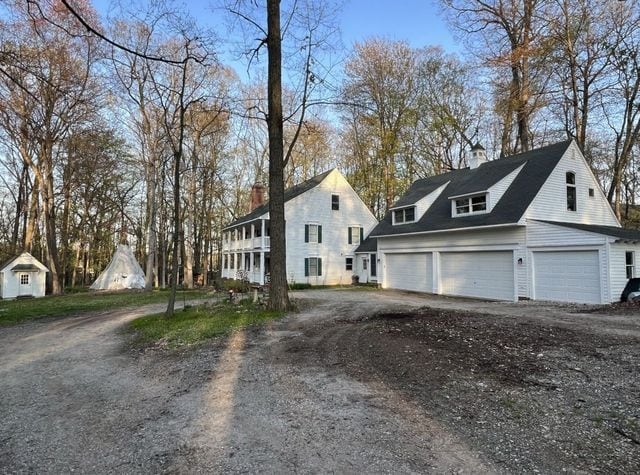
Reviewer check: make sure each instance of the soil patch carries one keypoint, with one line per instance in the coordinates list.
(530, 396)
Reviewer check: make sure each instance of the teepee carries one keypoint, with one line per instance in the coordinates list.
(123, 272)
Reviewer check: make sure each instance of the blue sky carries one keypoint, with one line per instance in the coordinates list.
(416, 21)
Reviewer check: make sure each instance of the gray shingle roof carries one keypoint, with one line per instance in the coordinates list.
(538, 165)
(622, 233)
(289, 194)
(368, 245)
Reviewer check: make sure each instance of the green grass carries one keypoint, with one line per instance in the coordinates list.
(196, 324)
(16, 311)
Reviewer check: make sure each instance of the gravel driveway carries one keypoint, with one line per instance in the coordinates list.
(320, 391)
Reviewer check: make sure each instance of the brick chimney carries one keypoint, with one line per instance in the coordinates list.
(257, 195)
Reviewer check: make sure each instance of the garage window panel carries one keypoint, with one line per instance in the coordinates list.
(24, 279)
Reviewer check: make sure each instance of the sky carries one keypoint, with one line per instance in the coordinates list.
(416, 21)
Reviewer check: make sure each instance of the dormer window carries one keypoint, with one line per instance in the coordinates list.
(470, 205)
(571, 192)
(404, 215)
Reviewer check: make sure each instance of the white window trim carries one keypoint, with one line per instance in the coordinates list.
(573, 185)
(357, 235)
(454, 208)
(631, 266)
(317, 226)
(393, 215)
(316, 260)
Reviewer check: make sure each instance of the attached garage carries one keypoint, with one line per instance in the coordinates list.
(567, 276)
(486, 274)
(410, 271)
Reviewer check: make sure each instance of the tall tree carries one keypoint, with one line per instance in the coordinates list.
(513, 42)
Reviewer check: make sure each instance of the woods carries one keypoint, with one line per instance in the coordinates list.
(152, 139)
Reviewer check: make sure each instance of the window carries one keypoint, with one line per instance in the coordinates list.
(404, 215)
(571, 192)
(630, 260)
(348, 263)
(355, 235)
(591, 192)
(364, 264)
(313, 233)
(335, 202)
(312, 267)
(471, 204)
(24, 279)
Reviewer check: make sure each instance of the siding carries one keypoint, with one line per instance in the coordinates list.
(617, 267)
(550, 202)
(314, 206)
(425, 203)
(449, 241)
(497, 190)
(543, 234)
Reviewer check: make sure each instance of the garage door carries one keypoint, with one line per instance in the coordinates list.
(478, 274)
(567, 276)
(411, 271)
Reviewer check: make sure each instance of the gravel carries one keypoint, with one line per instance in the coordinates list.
(356, 381)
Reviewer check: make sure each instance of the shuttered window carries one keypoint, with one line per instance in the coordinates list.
(313, 267)
(355, 234)
(313, 233)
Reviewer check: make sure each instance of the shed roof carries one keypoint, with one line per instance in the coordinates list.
(25, 268)
(538, 165)
(368, 245)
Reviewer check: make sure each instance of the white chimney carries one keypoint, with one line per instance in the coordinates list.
(477, 156)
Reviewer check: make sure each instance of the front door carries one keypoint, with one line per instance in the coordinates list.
(374, 266)
(25, 285)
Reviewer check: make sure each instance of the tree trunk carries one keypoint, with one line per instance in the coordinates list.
(278, 294)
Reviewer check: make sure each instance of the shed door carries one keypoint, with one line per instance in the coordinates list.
(26, 283)
(567, 276)
(486, 274)
(410, 271)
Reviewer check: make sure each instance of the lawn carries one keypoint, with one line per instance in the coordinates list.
(200, 323)
(15, 311)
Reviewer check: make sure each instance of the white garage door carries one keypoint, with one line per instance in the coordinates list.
(478, 274)
(411, 271)
(567, 276)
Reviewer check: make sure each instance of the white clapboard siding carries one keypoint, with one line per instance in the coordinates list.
(314, 207)
(550, 202)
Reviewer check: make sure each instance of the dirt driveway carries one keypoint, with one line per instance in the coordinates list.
(357, 381)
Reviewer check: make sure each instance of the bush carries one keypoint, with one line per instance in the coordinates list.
(238, 286)
(299, 286)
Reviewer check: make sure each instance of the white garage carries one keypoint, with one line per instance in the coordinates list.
(567, 276)
(410, 271)
(486, 274)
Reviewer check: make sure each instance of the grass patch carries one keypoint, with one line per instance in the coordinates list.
(16, 311)
(197, 324)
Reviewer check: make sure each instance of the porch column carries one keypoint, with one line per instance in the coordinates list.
(262, 269)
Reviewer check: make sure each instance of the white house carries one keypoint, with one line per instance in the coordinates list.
(23, 276)
(325, 222)
(534, 225)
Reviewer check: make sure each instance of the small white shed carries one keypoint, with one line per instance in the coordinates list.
(23, 276)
